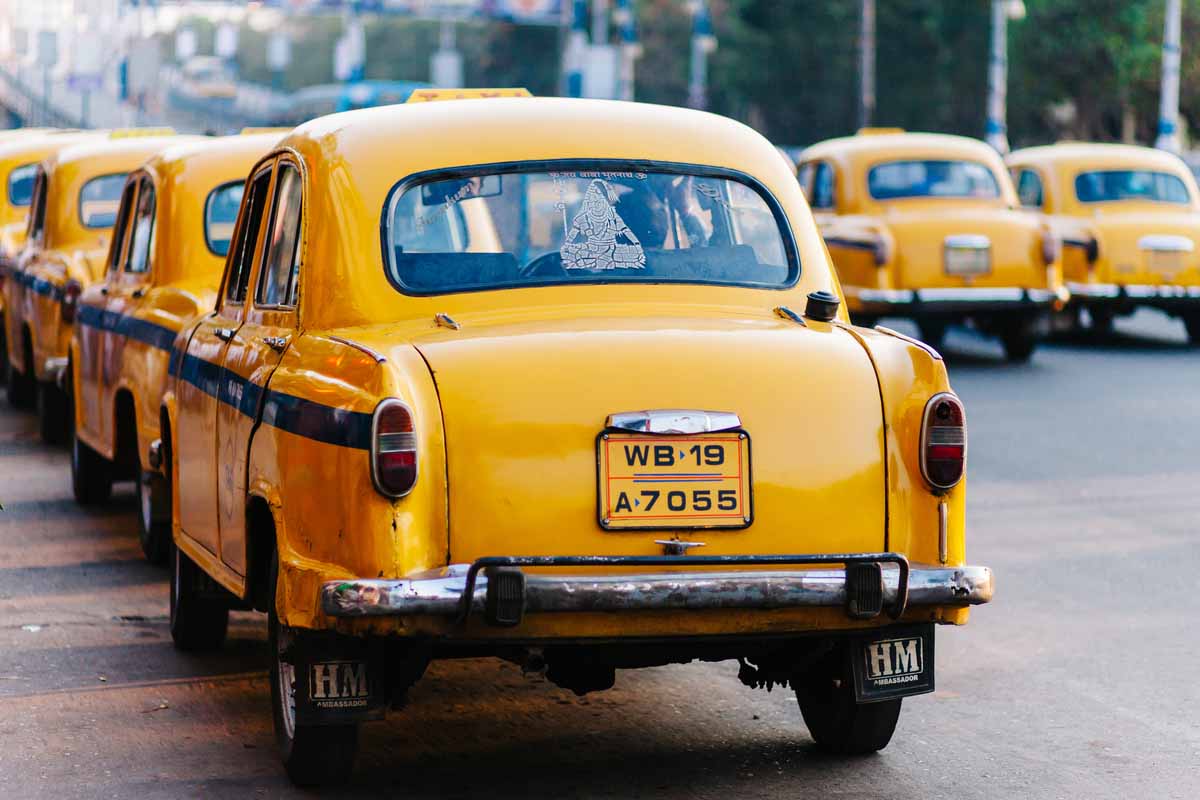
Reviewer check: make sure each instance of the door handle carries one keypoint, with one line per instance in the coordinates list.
(224, 334)
(276, 343)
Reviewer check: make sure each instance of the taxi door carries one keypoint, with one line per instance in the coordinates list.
(255, 351)
(202, 389)
(92, 325)
(124, 295)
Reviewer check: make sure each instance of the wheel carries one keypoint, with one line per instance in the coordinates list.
(1101, 326)
(1192, 323)
(154, 526)
(52, 413)
(21, 387)
(313, 755)
(1018, 342)
(91, 474)
(933, 331)
(837, 722)
(199, 618)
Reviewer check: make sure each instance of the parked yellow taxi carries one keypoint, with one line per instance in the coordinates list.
(20, 152)
(926, 226)
(165, 261)
(1129, 220)
(75, 198)
(571, 386)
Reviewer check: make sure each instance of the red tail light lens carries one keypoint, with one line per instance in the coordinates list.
(70, 300)
(944, 441)
(393, 449)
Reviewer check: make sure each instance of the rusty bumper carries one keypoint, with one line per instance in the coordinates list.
(461, 588)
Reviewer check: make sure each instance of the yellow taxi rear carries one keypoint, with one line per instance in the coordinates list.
(1129, 219)
(927, 227)
(168, 249)
(581, 394)
(76, 195)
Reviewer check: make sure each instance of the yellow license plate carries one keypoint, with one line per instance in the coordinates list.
(671, 481)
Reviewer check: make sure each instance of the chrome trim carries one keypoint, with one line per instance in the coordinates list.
(440, 594)
(53, 369)
(783, 312)
(943, 529)
(1094, 289)
(154, 454)
(371, 454)
(924, 443)
(445, 321)
(881, 295)
(361, 348)
(927, 348)
(1136, 291)
(1166, 243)
(674, 421)
(968, 241)
(982, 294)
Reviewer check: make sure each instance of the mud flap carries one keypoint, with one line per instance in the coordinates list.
(892, 662)
(339, 680)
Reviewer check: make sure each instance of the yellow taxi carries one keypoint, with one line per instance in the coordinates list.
(168, 249)
(926, 226)
(1129, 220)
(20, 152)
(581, 393)
(75, 197)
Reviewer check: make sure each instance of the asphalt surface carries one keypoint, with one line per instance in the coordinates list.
(1079, 680)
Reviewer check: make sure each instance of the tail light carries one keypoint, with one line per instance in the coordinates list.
(943, 442)
(393, 449)
(70, 300)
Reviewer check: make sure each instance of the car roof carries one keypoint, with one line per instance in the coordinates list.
(1069, 155)
(901, 144)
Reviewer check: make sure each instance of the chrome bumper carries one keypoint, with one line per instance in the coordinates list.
(953, 299)
(442, 592)
(1132, 291)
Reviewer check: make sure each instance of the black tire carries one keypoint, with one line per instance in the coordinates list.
(154, 522)
(199, 619)
(52, 413)
(1192, 323)
(1019, 343)
(21, 385)
(1101, 325)
(91, 474)
(933, 332)
(837, 723)
(312, 755)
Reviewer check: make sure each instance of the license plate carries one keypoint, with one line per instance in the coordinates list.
(967, 260)
(339, 684)
(670, 481)
(1165, 261)
(897, 662)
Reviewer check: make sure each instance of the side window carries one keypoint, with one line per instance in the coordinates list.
(804, 175)
(247, 236)
(98, 200)
(138, 259)
(1029, 189)
(124, 212)
(20, 185)
(822, 192)
(278, 275)
(37, 219)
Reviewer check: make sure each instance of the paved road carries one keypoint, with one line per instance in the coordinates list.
(1078, 681)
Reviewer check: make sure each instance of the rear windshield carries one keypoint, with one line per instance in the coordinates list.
(220, 213)
(584, 224)
(1103, 186)
(20, 185)
(99, 199)
(897, 179)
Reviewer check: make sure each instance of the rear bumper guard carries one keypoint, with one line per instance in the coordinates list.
(1162, 295)
(462, 589)
(955, 299)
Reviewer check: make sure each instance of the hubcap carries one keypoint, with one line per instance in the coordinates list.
(144, 499)
(287, 682)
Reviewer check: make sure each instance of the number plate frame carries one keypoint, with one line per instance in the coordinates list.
(952, 266)
(738, 520)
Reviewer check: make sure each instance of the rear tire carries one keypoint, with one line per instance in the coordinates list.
(1101, 325)
(52, 413)
(198, 622)
(933, 332)
(313, 755)
(154, 527)
(1192, 323)
(837, 722)
(1019, 340)
(21, 385)
(91, 474)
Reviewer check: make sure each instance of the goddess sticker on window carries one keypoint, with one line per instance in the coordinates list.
(607, 242)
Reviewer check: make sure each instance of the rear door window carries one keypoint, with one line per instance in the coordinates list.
(124, 212)
(1029, 189)
(138, 260)
(20, 185)
(276, 279)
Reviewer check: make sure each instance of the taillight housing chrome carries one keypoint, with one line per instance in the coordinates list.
(943, 442)
(70, 300)
(393, 448)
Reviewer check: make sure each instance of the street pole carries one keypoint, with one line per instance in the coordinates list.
(575, 53)
(703, 43)
(997, 127)
(631, 49)
(600, 21)
(1168, 103)
(866, 108)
